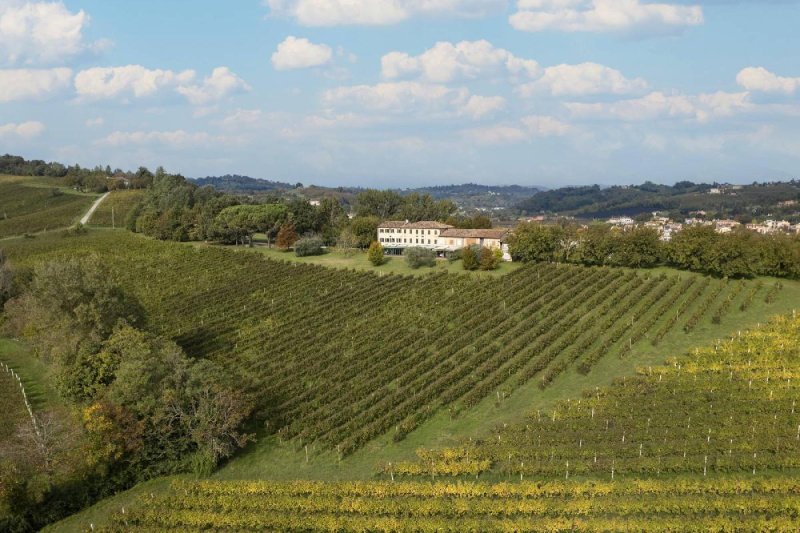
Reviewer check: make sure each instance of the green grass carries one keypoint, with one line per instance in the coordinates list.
(34, 373)
(31, 205)
(114, 210)
(358, 260)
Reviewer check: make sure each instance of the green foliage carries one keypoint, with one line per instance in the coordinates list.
(738, 254)
(364, 228)
(418, 257)
(489, 259)
(413, 207)
(25, 208)
(469, 258)
(375, 253)
(309, 246)
(116, 208)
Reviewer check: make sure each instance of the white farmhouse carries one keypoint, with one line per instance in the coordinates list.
(396, 236)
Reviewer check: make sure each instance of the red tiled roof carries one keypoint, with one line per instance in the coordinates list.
(422, 224)
(498, 233)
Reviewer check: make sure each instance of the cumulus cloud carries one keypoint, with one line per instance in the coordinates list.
(219, 85)
(658, 105)
(140, 82)
(759, 79)
(529, 127)
(129, 80)
(376, 12)
(480, 106)
(174, 139)
(413, 97)
(582, 79)
(40, 32)
(297, 53)
(23, 130)
(95, 122)
(23, 84)
(446, 61)
(604, 16)
(243, 118)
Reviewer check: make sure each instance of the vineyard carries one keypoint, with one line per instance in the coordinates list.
(114, 210)
(337, 358)
(730, 407)
(682, 504)
(13, 410)
(28, 208)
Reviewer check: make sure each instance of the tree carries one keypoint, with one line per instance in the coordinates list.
(535, 242)
(287, 236)
(375, 254)
(308, 246)
(347, 241)
(416, 207)
(489, 259)
(365, 229)
(238, 223)
(418, 257)
(380, 204)
(7, 281)
(689, 248)
(469, 258)
(639, 247)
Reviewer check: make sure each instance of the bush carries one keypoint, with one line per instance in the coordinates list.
(490, 259)
(469, 258)
(308, 246)
(287, 237)
(375, 254)
(417, 257)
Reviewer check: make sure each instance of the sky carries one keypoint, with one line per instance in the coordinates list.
(404, 93)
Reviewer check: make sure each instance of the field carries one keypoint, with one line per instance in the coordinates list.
(114, 210)
(377, 376)
(30, 205)
(682, 504)
(359, 261)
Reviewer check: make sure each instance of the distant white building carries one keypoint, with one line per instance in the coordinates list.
(396, 236)
(621, 221)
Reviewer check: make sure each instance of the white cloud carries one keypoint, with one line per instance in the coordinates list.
(40, 32)
(174, 139)
(582, 79)
(397, 96)
(294, 53)
(219, 85)
(480, 106)
(130, 80)
(24, 130)
(376, 12)
(762, 80)
(446, 62)
(543, 126)
(95, 122)
(529, 127)
(658, 105)
(21, 84)
(243, 118)
(140, 82)
(603, 16)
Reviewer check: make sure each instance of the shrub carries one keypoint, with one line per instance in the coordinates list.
(308, 246)
(469, 258)
(417, 257)
(490, 259)
(375, 253)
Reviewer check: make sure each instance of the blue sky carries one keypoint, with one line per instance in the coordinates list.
(395, 93)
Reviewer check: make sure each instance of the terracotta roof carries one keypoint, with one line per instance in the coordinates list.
(422, 224)
(475, 233)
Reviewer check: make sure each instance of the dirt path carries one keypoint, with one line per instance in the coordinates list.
(95, 205)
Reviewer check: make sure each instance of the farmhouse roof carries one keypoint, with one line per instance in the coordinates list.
(422, 224)
(498, 233)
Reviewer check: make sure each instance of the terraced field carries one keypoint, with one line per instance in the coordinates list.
(28, 206)
(337, 358)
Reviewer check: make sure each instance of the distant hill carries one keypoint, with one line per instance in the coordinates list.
(236, 183)
(724, 200)
(472, 195)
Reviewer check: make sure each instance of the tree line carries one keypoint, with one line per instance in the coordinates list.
(699, 248)
(133, 406)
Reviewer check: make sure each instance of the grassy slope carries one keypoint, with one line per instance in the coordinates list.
(121, 202)
(269, 459)
(28, 205)
(359, 261)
